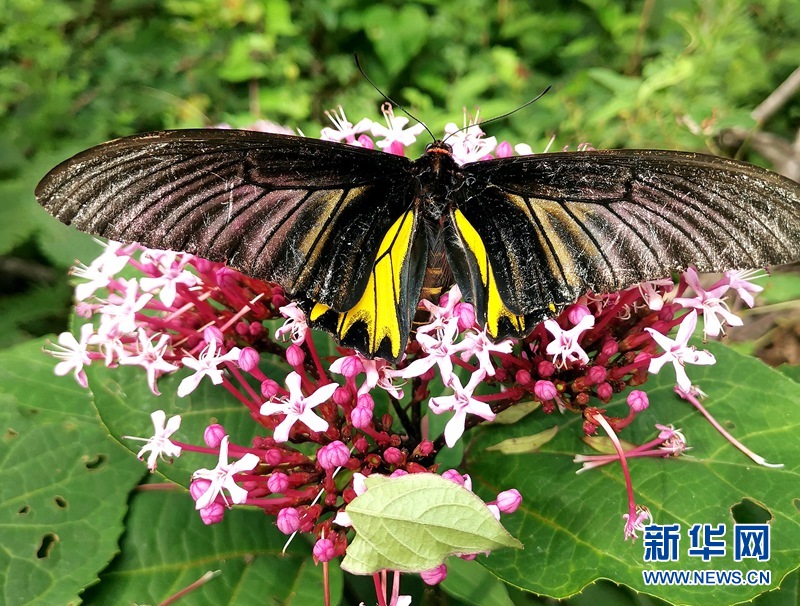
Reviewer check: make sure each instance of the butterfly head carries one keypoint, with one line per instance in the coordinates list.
(439, 147)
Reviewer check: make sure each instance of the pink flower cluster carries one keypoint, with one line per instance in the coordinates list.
(183, 313)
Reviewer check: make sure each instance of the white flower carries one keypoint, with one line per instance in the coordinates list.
(711, 303)
(461, 402)
(678, 352)
(298, 407)
(479, 345)
(171, 266)
(151, 357)
(100, 271)
(73, 354)
(295, 325)
(344, 129)
(206, 364)
(565, 342)
(222, 477)
(159, 445)
(396, 130)
(469, 144)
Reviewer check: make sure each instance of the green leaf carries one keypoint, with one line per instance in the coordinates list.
(167, 547)
(473, 584)
(517, 412)
(571, 524)
(396, 34)
(525, 444)
(64, 484)
(412, 523)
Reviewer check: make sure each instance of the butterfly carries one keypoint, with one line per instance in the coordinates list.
(357, 236)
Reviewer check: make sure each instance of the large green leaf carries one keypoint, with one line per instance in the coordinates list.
(571, 524)
(167, 547)
(412, 523)
(64, 484)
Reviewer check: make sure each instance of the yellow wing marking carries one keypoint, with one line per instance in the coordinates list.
(551, 216)
(495, 308)
(378, 309)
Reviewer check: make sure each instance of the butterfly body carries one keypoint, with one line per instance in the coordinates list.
(357, 235)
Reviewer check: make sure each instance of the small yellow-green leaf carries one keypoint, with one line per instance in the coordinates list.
(516, 412)
(525, 444)
(414, 522)
(604, 445)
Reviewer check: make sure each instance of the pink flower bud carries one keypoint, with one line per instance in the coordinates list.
(362, 445)
(393, 456)
(288, 520)
(610, 347)
(545, 390)
(398, 473)
(396, 148)
(352, 367)
(256, 328)
(248, 359)
(212, 333)
(198, 488)
(242, 328)
(605, 391)
(546, 369)
(434, 576)
(454, 476)
(509, 500)
(638, 400)
(425, 448)
(273, 457)
(295, 356)
(361, 417)
(269, 389)
(366, 401)
(324, 550)
(278, 301)
(227, 278)
(589, 428)
(204, 266)
(213, 435)
(576, 313)
(278, 482)
(212, 514)
(504, 150)
(523, 377)
(465, 313)
(333, 455)
(596, 375)
(366, 142)
(342, 396)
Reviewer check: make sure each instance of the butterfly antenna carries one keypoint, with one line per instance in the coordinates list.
(505, 115)
(392, 101)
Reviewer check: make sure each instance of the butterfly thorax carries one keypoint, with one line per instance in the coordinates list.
(437, 177)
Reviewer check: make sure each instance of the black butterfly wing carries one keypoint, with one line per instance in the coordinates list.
(549, 227)
(310, 215)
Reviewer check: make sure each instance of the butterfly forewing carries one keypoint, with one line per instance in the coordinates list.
(557, 225)
(307, 214)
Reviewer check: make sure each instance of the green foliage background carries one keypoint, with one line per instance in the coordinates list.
(644, 73)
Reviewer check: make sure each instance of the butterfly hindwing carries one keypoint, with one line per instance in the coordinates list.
(379, 323)
(556, 225)
(307, 214)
